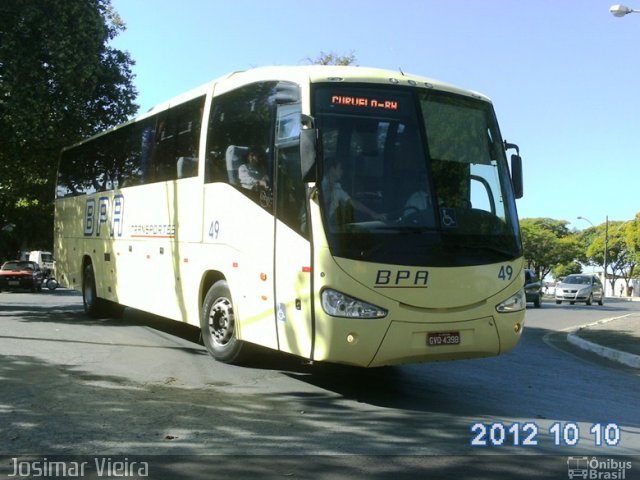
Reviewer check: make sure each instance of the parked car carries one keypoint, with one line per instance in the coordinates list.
(580, 288)
(532, 288)
(21, 274)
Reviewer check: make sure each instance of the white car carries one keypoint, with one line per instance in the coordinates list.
(580, 288)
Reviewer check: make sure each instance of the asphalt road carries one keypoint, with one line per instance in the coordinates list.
(143, 389)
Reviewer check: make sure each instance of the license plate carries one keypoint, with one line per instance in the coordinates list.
(14, 283)
(436, 339)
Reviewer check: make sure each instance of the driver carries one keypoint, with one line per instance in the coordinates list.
(419, 200)
(339, 203)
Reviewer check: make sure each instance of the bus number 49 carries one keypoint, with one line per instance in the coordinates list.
(506, 272)
(214, 229)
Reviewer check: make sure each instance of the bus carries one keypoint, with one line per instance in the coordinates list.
(340, 214)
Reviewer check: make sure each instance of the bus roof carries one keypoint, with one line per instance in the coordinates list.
(313, 74)
(302, 75)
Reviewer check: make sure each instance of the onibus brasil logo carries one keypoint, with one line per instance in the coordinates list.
(597, 468)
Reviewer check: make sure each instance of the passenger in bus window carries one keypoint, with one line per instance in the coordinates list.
(252, 175)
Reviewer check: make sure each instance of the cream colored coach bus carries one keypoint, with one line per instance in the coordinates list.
(340, 214)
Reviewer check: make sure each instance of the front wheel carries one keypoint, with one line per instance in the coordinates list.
(218, 325)
(537, 303)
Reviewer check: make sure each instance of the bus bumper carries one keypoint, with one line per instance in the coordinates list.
(413, 342)
(407, 342)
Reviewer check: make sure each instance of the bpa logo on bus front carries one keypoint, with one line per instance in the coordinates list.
(402, 278)
(106, 212)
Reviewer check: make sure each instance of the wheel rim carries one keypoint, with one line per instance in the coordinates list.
(221, 321)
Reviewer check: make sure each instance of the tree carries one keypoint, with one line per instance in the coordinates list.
(332, 58)
(548, 243)
(562, 271)
(621, 254)
(632, 236)
(59, 82)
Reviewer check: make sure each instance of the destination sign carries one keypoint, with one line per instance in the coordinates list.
(364, 102)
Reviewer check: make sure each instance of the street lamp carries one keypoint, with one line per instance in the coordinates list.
(606, 233)
(621, 10)
(586, 220)
(606, 247)
(590, 223)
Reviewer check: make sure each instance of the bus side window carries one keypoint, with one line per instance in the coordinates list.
(240, 119)
(175, 152)
(234, 157)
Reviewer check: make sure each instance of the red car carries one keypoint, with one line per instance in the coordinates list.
(18, 274)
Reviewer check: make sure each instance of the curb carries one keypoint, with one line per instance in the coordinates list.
(628, 359)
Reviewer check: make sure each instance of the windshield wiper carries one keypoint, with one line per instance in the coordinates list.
(408, 228)
(486, 248)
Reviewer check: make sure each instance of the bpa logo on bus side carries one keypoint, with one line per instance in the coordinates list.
(106, 212)
(402, 279)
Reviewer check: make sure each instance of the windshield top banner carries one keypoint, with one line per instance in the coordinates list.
(363, 101)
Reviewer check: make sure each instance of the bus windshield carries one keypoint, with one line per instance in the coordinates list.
(414, 177)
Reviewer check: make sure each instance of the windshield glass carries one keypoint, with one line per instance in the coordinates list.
(578, 280)
(17, 266)
(414, 177)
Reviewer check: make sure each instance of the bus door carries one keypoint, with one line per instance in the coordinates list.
(292, 262)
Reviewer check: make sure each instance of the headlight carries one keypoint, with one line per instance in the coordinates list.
(338, 304)
(584, 291)
(514, 303)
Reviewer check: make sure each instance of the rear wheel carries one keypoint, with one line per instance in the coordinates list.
(219, 326)
(95, 306)
(52, 284)
(90, 300)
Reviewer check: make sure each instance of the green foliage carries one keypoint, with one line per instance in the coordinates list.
(620, 241)
(550, 247)
(632, 235)
(332, 58)
(59, 82)
(562, 271)
(548, 243)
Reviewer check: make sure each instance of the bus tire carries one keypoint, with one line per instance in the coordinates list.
(218, 326)
(94, 306)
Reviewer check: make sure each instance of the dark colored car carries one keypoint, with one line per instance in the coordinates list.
(19, 274)
(532, 288)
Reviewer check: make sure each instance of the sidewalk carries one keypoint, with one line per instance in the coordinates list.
(617, 339)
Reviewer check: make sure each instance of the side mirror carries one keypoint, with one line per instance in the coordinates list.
(516, 176)
(516, 170)
(309, 148)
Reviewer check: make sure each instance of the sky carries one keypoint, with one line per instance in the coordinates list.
(563, 75)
